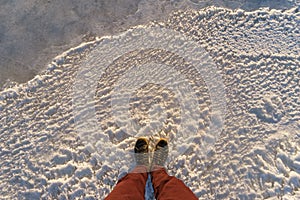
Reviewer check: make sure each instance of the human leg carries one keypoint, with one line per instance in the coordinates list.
(132, 186)
(169, 187)
(165, 186)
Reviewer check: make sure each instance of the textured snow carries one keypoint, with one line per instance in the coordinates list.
(256, 155)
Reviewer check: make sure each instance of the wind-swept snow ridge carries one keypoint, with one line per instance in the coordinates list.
(256, 155)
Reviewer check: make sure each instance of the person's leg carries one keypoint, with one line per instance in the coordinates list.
(131, 186)
(169, 187)
(165, 186)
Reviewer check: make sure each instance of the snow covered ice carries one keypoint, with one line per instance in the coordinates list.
(68, 133)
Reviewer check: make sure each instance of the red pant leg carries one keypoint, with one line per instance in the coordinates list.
(131, 187)
(169, 187)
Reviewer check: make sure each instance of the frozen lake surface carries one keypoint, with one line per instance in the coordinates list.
(33, 32)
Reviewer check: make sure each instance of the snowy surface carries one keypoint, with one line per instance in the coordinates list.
(46, 152)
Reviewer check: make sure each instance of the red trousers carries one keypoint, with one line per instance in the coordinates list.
(132, 187)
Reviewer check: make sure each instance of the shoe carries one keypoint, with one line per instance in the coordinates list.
(160, 153)
(141, 151)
